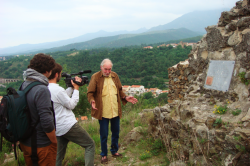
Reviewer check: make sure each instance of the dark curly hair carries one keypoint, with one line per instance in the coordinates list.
(42, 63)
(56, 69)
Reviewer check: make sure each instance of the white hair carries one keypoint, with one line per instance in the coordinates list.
(106, 60)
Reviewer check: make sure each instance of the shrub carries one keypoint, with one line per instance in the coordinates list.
(243, 79)
(220, 109)
(237, 112)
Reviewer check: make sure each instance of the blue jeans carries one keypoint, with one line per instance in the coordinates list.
(115, 129)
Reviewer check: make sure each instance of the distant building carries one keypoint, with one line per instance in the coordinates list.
(148, 47)
(136, 89)
(7, 80)
(125, 89)
(155, 90)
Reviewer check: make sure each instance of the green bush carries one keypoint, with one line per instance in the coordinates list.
(237, 112)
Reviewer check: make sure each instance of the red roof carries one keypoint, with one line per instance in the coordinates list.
(135, 86)
(84, 118)
(125, 86)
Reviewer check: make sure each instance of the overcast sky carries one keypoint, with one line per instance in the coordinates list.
(33, 21)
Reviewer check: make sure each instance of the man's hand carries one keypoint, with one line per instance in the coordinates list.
(77, 79)
(93, 105)
(131, 99)
(52, 136)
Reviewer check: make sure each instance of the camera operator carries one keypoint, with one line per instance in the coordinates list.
(67, 128)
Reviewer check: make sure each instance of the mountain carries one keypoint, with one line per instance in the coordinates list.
(26, 48)
(195, 21)
(129, 39)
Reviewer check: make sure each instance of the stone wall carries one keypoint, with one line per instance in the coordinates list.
(188, 125)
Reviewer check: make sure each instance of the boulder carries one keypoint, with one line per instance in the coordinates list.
(134, 135)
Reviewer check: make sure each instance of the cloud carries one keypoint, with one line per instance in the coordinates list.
(30, 21)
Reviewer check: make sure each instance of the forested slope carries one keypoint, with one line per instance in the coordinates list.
(134, 65)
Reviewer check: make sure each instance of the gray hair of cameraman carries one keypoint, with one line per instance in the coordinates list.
(106, 60)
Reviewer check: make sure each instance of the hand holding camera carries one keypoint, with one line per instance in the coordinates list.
(68, 80)
(78, 81)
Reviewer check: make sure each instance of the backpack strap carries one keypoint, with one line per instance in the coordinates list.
(34, 157)
(31, 85)
(1, 143)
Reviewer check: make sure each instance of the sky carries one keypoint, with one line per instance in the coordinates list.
(33, 21)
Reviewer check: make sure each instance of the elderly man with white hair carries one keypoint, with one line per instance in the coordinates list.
(105, 95)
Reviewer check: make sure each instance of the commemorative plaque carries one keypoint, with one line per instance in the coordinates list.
(219, 75)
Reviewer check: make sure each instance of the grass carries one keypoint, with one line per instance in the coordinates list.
(147, 151)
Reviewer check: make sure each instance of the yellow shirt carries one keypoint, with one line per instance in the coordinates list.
(109, 98)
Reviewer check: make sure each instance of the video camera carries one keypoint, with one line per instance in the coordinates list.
(69, 78)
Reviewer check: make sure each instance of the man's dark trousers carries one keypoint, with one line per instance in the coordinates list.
(115, 129)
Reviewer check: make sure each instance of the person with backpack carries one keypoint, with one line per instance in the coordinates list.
(67, 127)
(41, 113)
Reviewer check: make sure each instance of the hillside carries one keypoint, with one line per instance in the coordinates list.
(129, 40)
(139, 66)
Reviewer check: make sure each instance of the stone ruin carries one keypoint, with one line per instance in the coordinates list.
(188, 125)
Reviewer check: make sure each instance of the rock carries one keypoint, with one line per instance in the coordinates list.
(134, 135)
(190, 89)
(209, 122)
(244, 160)
(8, 160)
(186, 115)
(177, 163)
(244, 132)
(190, 77)
(225, 18)
(215, 40)
(242, 91)
(235, 38)
(148, 110)
(247, 75)
(207, 95)
(243, 23)
(157, 113)
(231, 26)
(247, 117)
(165, 108)
(229, 160)
(202, 132)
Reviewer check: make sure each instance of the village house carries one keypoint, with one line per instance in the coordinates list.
(136, 89)
(2, 58)
(148, 47)
(125, 89)
(155, 90)
(182, 44)
(164, 91)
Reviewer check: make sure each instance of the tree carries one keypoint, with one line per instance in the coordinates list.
(148, 95)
